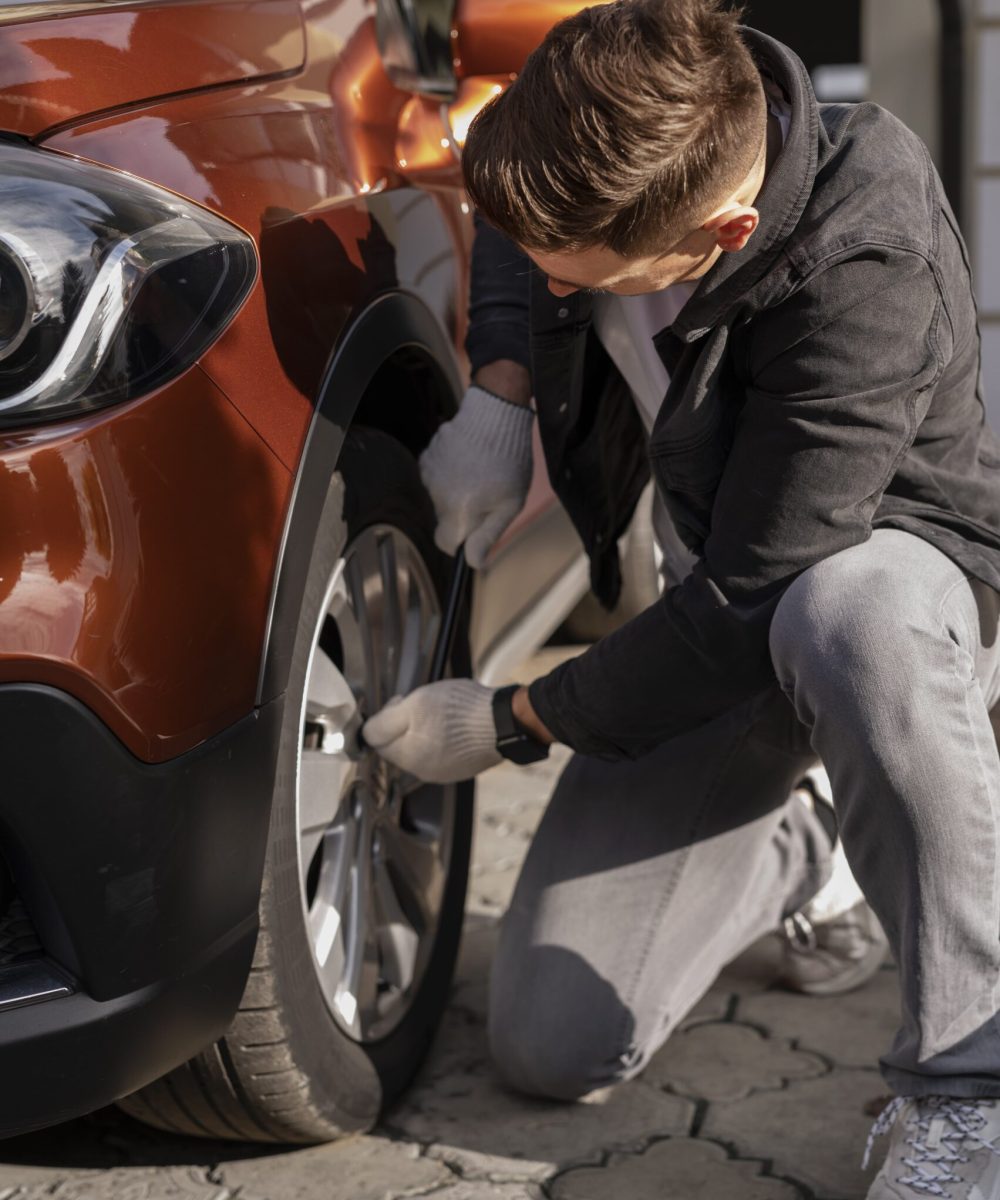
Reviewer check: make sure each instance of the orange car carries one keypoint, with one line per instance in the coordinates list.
(233, 268)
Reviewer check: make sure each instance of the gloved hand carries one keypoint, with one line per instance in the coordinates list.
(477, 468)
(441, 732)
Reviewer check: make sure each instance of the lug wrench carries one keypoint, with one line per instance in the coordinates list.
(449, 621)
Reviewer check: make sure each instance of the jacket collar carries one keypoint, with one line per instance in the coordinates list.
(780, 203)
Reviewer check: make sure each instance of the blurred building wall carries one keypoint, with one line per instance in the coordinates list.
(902, 42)
(983, 184)
(899, 40)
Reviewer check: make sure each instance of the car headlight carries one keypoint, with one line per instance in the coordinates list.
(109, 286)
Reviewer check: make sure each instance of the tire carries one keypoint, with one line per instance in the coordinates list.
(291, 1068)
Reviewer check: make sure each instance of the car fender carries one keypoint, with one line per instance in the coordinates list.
(394, 321)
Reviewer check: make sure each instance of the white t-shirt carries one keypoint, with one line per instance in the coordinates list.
(625, 326)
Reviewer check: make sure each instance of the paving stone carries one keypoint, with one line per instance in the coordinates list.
(502, 851)
(360, 1168)
(678, 1169)
(814, 1131)
(490, 891)
(471, 1189)
(171, 1183)
(472, 973)
(713, 1006)
(511, 792)
(62, 1151)
(27, 1175)
(755, 970)
(460, 1046)
(488, 1132)
(518, 819)
(716, 1061)
(851, 1030)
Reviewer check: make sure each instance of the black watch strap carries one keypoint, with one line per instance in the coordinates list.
(513, 740)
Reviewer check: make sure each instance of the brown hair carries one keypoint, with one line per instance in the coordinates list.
(628, 123)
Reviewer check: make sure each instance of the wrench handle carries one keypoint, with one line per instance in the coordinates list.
(454, 599)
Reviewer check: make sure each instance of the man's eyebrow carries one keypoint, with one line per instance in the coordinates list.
(582, 287)
(566, 282)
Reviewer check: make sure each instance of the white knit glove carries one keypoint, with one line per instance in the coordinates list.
(441, 732)
(477, 468)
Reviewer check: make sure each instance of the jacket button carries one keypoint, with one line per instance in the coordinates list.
(599, 538)
(567, 473)
(563, 312)
(563, 406)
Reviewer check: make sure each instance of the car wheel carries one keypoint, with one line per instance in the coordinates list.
(365, 877)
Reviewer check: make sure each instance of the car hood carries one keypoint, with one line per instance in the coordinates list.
(61, 61)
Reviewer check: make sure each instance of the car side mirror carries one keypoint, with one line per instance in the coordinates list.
(415, 44)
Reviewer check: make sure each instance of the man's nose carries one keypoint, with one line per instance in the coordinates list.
(560, 289)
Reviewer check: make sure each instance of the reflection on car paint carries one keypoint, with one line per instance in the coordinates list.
(127, 577)
(64, 67)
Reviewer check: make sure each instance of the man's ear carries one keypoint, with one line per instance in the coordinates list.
(733, 226)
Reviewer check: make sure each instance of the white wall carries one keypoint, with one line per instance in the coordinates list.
(991, 372)
(982, 232)
(987, 257)
(899, 40)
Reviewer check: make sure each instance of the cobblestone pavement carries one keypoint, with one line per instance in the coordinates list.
(762, 1095)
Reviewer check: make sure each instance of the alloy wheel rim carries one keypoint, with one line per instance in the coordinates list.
(373, 843)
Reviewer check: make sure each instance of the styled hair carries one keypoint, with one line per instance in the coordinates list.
(627, 125)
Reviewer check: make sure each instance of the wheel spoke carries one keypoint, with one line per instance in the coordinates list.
(392, 615)
(341, 612)
(410, 650)
(419, 635)
(326, 915)
(429, 623)
(416, 871)
(357, 993)
(366, 606)
(326, 687)
(398, 941)
(323, 780)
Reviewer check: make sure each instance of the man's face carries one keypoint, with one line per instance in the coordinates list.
(599, 269)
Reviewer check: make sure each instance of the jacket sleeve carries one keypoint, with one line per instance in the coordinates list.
(839, 378)
(499, 292)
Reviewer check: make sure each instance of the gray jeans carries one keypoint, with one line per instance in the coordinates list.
(645, 878)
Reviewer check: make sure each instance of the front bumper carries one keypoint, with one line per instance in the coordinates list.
(142, 881)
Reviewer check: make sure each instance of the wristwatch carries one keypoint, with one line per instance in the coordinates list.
(513, 740)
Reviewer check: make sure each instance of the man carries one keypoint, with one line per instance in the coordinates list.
(780, 287)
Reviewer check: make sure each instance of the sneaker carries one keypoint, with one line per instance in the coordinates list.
(834, 943)
(940, 1146)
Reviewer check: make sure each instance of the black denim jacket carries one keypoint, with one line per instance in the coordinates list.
(824, 381)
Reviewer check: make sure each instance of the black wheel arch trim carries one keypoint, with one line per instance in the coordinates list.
(394, 321)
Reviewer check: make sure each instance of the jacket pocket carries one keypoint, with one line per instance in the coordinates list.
(694, 464)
